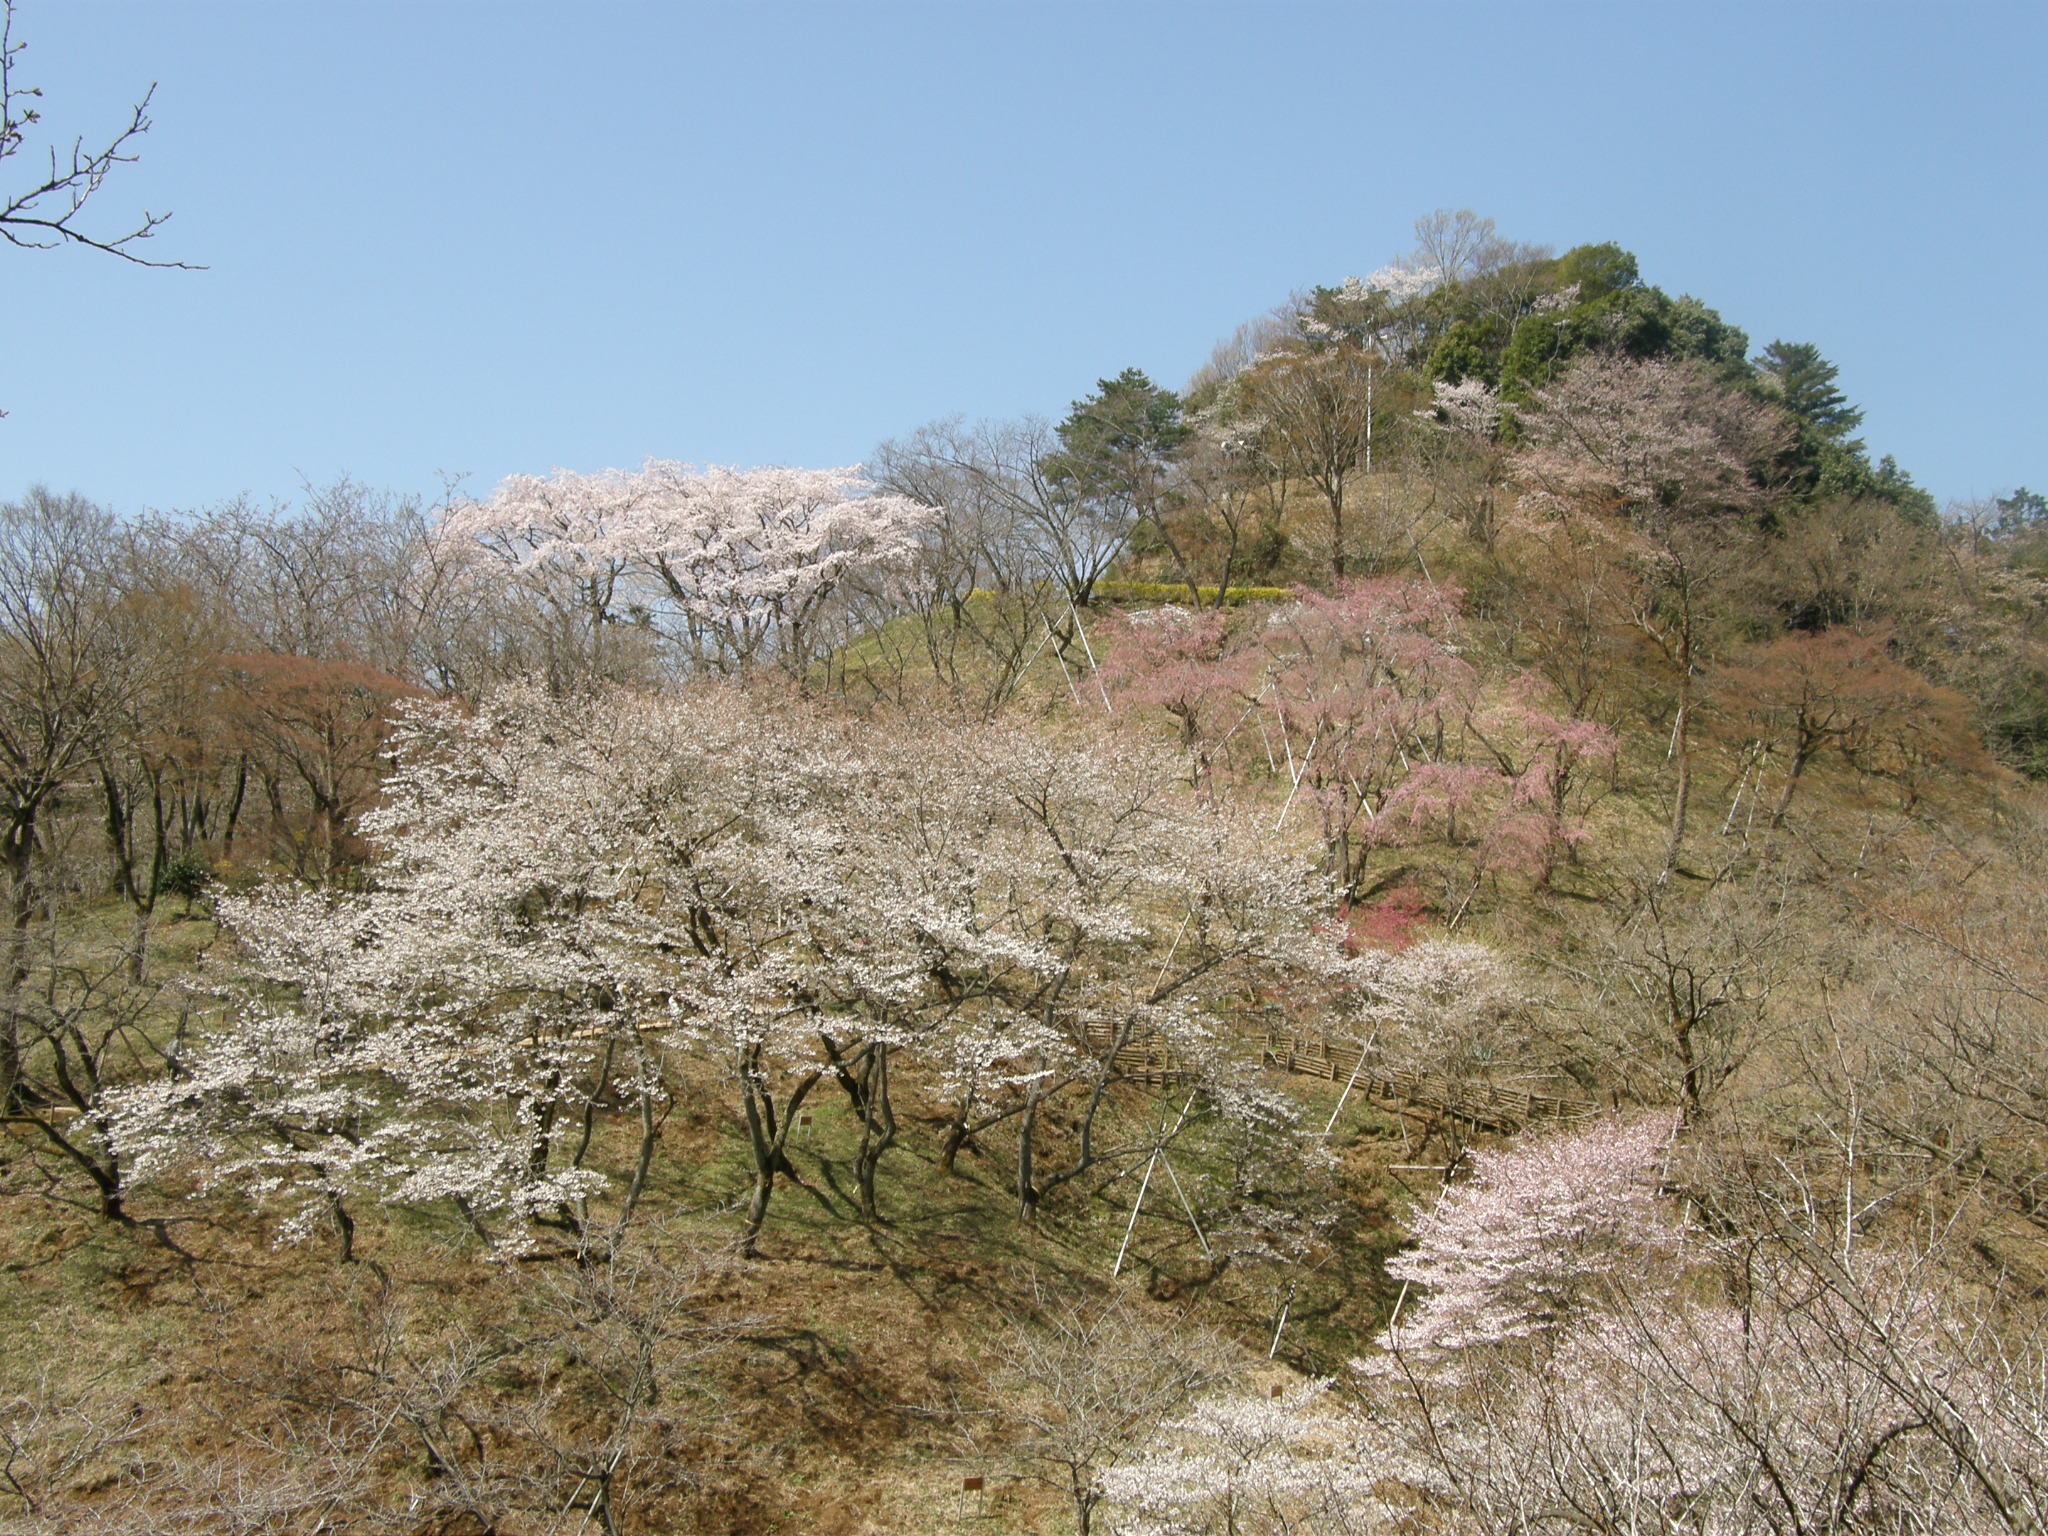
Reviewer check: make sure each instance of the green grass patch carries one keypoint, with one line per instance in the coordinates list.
(1177, 592)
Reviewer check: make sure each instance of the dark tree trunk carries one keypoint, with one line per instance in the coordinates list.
(649, 1130)
(19, 852)
(1027, 1187)
(227, 840)
(877, 1131)
(956, 1134)
(345, 1225)
(767, 1136)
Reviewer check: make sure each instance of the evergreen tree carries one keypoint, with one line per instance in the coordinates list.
(1804, 383)
(1128, 421)
(2022, 512)
(1116, 449)
(1598, 303)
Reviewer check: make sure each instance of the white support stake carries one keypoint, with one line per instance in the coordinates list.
(1360, 1067)
(1281, 1327)
(1094, 666)
(1442, 1190)
(1298, 777)
(1395, 1320)
(1271, 765)
(1220, 745)
(1131, 1225)
(1034, 652)
(1161, 981)
(1207, 1252)
(1146, 1183)
(1056, 656)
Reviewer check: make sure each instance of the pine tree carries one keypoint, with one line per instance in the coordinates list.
(1805, 385)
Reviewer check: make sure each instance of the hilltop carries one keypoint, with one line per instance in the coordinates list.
(1420, 934)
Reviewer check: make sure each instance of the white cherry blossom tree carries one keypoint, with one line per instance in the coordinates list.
(447, 1033)
(1260, 1463)
(730, 567)
(566, 887)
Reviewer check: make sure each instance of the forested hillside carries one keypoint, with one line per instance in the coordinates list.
(1436, 932)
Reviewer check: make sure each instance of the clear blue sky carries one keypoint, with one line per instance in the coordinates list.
(487, 238)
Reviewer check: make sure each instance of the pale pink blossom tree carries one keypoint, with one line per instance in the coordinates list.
(1512, 1251)
(1805, 1396)
(1640, 484)
(731, 567)
(1584, 1364)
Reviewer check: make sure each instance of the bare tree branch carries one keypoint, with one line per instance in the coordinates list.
(45, 214)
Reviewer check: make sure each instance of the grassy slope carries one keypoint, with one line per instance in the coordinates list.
(863, 1330)
(835, 1408)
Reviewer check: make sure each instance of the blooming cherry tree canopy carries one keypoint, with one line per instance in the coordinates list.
(732, 566)
(1504, 1255)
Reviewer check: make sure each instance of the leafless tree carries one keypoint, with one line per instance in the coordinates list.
(1247, 344)
(1224, 481)
(1085, 1383)
(998, 470)
(1677, 995)
(1316, 407)
(984, 595)
(87, 1026)
(61, 688)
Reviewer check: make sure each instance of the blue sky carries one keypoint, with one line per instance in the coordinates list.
(477, 239)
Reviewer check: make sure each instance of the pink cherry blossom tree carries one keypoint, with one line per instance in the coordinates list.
(1346, 696)
(1549, 761)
